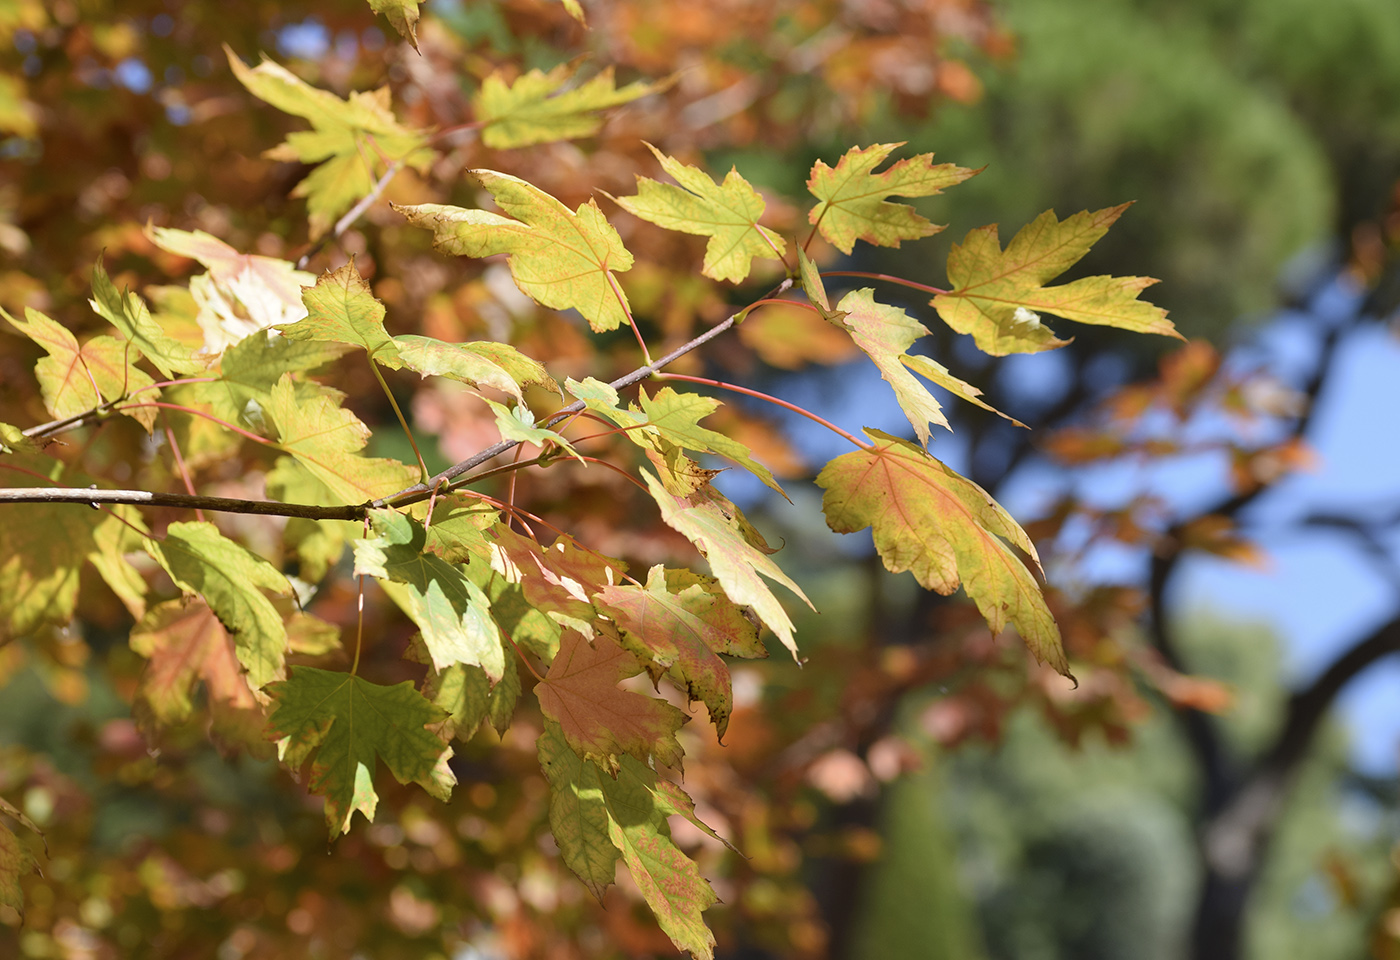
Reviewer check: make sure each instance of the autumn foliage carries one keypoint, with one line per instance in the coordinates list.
(442, 510)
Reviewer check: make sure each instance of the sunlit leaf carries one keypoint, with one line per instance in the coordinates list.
(944, 529)
(74, 379)
(727, 213)
(349, 723)
(327, 440)
(560, 258)
(518, 423)
(811, 280)
(481, 364)
(599, 720)
(130, 315)
(450, 609)
(241, 294)
(721, 534)
(667, 421)
(342, 308)
(536, 107)
(853, 205)
(682, 631)
(998, 296)
(204, 562)
(402, 16)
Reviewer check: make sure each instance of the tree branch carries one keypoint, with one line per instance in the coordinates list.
(93, 497)
(410, 495)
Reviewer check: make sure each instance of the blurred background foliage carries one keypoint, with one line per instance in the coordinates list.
(915, 791)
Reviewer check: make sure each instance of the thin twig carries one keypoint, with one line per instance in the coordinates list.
(421, 491)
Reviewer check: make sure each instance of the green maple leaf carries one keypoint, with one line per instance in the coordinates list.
(669, 421)
(998, 296)
(452, 611)
(884, 333)
(351, 139)
(537, 109)
(480, 363)
(595, 817)
(204, 562)
(74, 379)
(560, 258)
(939, 374)
(326, 439)
(348, 723)
(944, 529)
(811, 280)
(518, 423)
(853, 205)
(728, 214)
(722, 535)
(402, 15)
(681, 632)
(129, 314)
(599, 720)
(342, 308)
(457, 531)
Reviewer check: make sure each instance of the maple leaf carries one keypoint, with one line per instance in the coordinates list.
(537, 109)
(682, 631)
(595, 817)
(939, 374)
(724, 538)
(518, 423)
(669, 420)
(130, 315)
(457, 531)
(230, 578)
(402, 15)
(74, 379)
(342, 308)
(728, 214)
(43, 548)
(853, 205)
(998, 296)
(561, 259)
(326, 439)
(241, 293)
(185, 642)
(944, 529)
(348, 723)
(599, 720)
(351, 139)
(480, 363)
(811, 280)
(15, 858)
(884, 333)
(450, 609)
(559, 581)
(462, 690)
